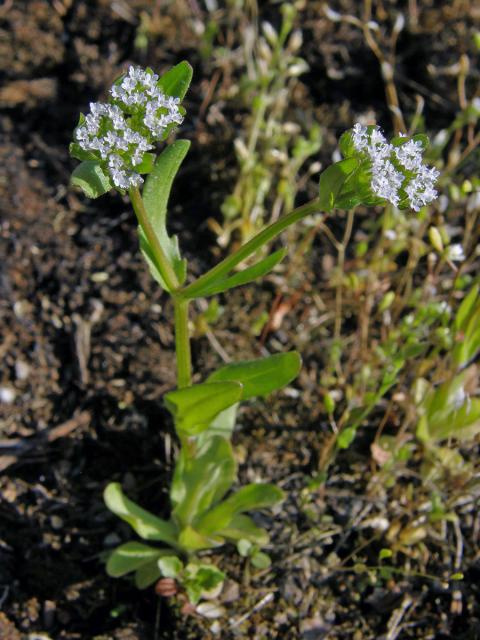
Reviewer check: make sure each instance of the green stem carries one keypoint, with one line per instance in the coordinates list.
(182, 344)
(222, 269)
(182, 337)
(161, 261)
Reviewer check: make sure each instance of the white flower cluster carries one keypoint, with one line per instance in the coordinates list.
(106, 130)
(388, 179)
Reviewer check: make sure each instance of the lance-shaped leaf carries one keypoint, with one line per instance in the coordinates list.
(202, 480)
(91, 178)
(191, 540)
(177, 80)
(242, 527)
(333, 180)
(261, 377)
(258, 270)
(466, 309)
(253, 496)
(147, 525)
(195, 407)
(467, 326)
(131, 556)
(155, 198)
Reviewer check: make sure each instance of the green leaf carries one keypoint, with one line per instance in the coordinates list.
(130, 557)
(170, 566)
(261, 377)
(466, 309)
(144, 523)
(91, 178)
(253, 496)
(203, 480)
(155, 198)
(177, 80)
(194, 408)
(77, 152)
(147, 575)
(261, 560)
(223, 425)
(332, 181)
(244, 547)
(249, 274)
(385, 553)
(346, 437)
(147, 164)
(201, 580)
(242, 527)
(191, 540)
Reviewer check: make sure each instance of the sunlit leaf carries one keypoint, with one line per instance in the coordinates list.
(170, 566)
(259, 269)
(91, 179)
(195, 407)
(332, 181)
(130, 557)
(242, 527)
(176, 81)
(155, 198)
(203, 480)
(251, 497)
(261, 377)
(144, 523)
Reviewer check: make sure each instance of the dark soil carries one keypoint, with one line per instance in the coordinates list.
(87, 345)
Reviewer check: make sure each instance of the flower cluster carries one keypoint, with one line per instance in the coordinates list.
(397, 170)
(120, 133)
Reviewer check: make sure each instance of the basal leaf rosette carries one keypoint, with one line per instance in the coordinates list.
(388, 171)
(115, 139)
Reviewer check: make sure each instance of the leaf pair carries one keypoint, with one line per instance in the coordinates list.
(194, 408)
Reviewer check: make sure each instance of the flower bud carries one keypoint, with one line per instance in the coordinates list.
(435, 238)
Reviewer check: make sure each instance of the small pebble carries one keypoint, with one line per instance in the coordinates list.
(7, 395)
(22, 369)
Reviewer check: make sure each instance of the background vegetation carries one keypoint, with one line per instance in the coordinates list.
(375, 443)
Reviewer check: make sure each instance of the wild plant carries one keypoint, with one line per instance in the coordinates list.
(116, 143)
(271, 150)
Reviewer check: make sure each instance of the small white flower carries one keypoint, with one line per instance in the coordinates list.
(388, 180)
(360, 137)
(107, 130)
(410, 155)
(455, 253)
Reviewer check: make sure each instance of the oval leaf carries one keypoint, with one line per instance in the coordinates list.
(332, 181)
(91, 178)
(195, 407)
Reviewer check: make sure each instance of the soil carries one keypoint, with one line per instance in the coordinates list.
(87, 343)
